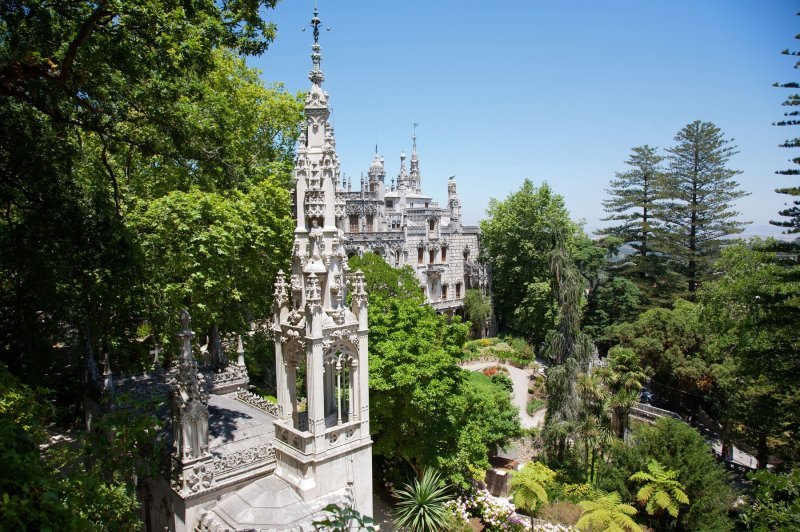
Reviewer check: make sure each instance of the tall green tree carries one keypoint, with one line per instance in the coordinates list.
(595, 426)
(516, 238)
(633, 205)
(95, 98)
(699, 191)
(633, 196)
(567, 347)
(423, 409)
(529, 486)
(478, 310)
(752, 312)
(791, 213)
(624, 378)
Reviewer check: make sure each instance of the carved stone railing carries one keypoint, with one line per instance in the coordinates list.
(298, 439)
(258, 402)
(227, 380)
(303, 441)
(382, 236)
(447, 304)
(342, 434)
(234, 463)
(432, 211)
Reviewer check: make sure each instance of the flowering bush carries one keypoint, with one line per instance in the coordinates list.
(497, 514)
(549, 527)
(459, 515)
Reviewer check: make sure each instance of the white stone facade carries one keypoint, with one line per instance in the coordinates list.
(239, 462)
(406, 227)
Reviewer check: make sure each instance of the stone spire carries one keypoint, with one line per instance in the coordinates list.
(192, 471)
(316, 331)
(402, 177)
(415, 180)
(453, 202)
(377, 174)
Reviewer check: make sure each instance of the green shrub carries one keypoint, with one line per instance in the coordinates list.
(679, 447)
(535, 404)
(504, 381)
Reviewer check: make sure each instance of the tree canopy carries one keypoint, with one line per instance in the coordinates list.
(516, 239)
(423, 409)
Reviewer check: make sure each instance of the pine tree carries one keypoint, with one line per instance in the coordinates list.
(792, 210)
(698, 191)
(633, 202)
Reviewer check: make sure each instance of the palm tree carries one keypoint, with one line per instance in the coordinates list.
(662, 492)
(420, 505)
(625, 370)
(529, 486)
(624, 378)
(622, 402)
(594, 427)
(607, 514)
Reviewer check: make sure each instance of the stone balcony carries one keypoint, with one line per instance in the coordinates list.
(307, 443)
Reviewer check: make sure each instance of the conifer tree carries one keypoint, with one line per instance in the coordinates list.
(633, 203)
(698, 191)
(633, 200)
(792, 210)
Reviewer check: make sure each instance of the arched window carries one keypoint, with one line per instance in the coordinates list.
(339, 386)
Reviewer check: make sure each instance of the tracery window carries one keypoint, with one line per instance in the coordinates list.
(339, 387)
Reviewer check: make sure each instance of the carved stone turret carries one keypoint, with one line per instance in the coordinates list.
(322, 434)
(191, 461)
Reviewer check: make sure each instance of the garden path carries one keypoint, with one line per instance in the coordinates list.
(521, 379)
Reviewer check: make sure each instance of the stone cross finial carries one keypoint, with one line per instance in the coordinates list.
(316, 75)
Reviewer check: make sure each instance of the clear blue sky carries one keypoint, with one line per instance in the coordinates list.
(551, 91)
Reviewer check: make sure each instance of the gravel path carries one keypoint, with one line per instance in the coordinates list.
(520, 378)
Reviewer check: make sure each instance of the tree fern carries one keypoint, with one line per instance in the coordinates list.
(607, 514)
(662, 492)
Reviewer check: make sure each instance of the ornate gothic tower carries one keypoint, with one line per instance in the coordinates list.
(453, 202)
(415, 180)
(377, 175)
(322, 435)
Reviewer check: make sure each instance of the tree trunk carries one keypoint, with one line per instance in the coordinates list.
(762, 451)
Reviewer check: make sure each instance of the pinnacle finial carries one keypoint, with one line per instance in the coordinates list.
(316, 75)
(414, 136)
